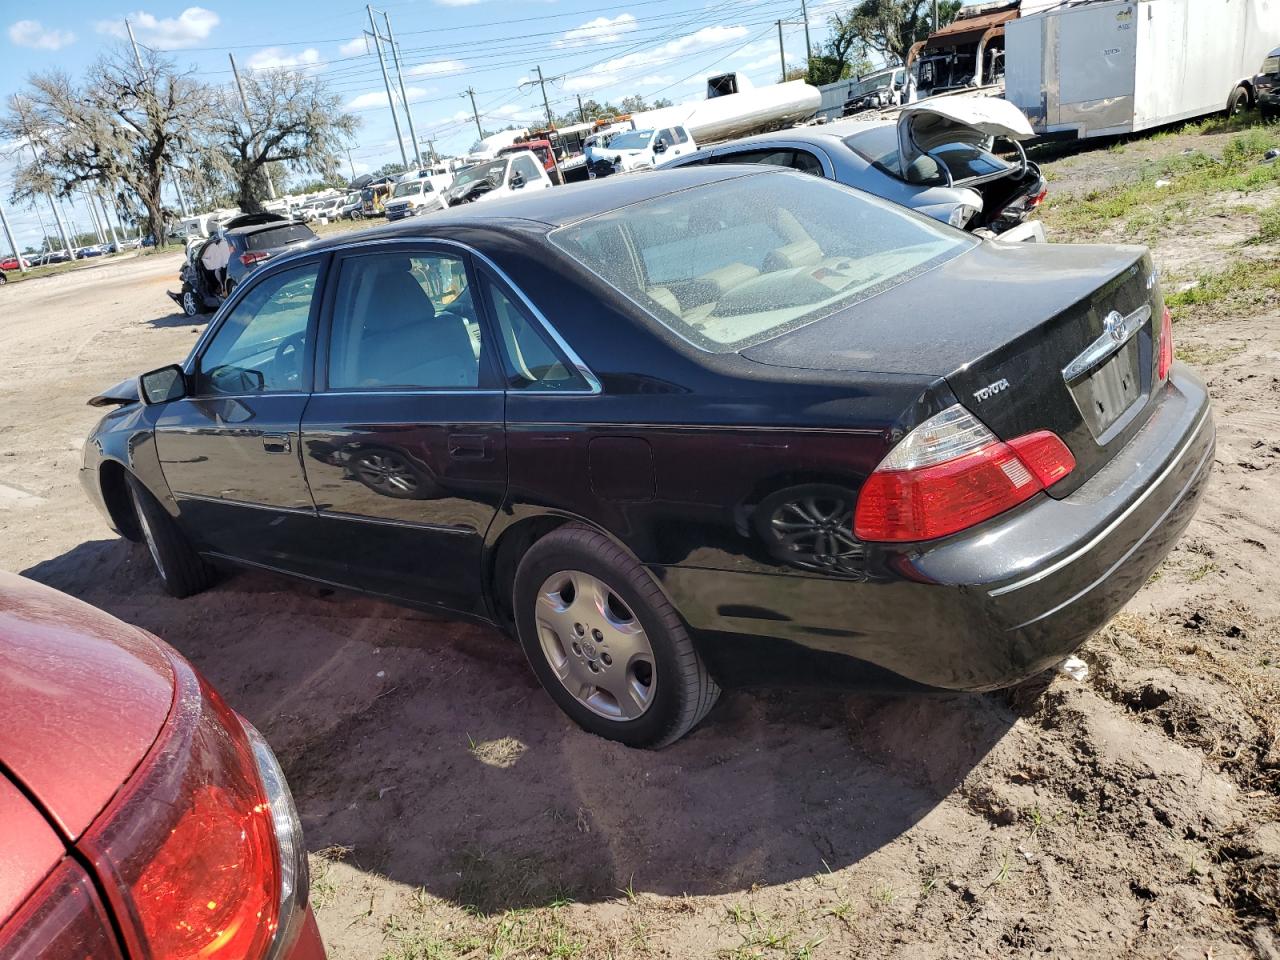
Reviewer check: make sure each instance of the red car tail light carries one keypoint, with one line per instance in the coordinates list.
(250, 257)
(201, 852)
(951, 473)
(62, 920)
(1165, 362)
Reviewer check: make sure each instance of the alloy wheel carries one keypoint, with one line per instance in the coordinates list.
(595, 645)
(817, 532)
(388, 474)
(149, 536)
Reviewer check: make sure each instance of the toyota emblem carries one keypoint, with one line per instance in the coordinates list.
(1114, 326)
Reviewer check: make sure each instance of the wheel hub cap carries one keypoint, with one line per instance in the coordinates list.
(595, 645)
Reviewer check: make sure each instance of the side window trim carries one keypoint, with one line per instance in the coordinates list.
(490, 381)
(508, 286)
(323, 261)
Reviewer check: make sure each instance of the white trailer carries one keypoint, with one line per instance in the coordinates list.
(1107, 67)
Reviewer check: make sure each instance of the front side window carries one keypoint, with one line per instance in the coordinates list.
(261, 345)
(739, 261)
(530, 360)
(527, 168)
(631, 140)
(404, 321)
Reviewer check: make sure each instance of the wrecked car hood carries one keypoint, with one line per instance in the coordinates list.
(931, 123)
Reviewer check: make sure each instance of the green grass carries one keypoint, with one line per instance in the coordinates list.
(1141, 205)
(1268, 225)
(1246, 283)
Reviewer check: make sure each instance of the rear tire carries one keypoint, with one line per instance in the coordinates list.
(624, 637)
(1239, 101)
(187, 301)
(182, 571)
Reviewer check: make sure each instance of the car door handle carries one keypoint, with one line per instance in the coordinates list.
(276, 443)
(467, 446)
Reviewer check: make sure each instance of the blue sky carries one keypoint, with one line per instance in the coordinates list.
(603, 49)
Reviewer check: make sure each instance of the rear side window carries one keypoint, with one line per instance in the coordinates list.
(732, 263)
(280, 236)
(801, 160)
(681, 135)
(404, 321)
(530, 360)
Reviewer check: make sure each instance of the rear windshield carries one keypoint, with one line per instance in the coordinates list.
(279, 236)
(733, 263)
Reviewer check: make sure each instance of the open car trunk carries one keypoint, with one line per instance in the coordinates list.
(953, 138)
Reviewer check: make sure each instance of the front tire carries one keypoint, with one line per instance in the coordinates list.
(182, 571)
(606, 644)
(1239, 101)
(187, 301)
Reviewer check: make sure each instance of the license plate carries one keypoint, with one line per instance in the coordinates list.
(1105, 395)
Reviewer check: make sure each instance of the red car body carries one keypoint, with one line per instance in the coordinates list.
(142, 818)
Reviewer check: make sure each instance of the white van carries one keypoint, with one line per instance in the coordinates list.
(412, 197)
(643, 149)
(504, 176)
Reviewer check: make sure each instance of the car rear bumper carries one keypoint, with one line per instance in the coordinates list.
(995, 605)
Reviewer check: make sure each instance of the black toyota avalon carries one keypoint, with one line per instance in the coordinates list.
(666, 428)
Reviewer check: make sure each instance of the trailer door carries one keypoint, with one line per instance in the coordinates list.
(1096, 62)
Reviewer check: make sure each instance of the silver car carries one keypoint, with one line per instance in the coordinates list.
(938, 158)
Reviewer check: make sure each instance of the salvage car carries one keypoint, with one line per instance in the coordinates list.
(252, 239)
(936, 158)
(641, 150)
(413, 197)
(669, 428)
(506, 175)
(1266, 86)
(144, 818)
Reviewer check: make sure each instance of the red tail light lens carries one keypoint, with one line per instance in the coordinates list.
(188, 848)
(951, 473)
(250, 257)
(1165, 363)
(1038, 198)
(62, 920)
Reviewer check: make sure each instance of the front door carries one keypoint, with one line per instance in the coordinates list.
(230, 450)
(403, 440)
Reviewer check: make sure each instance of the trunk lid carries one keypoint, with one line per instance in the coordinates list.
(1020, 333)
(929, 124)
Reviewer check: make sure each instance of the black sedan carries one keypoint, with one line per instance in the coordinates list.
(666, 429)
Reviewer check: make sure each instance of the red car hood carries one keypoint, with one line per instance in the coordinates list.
(82, 698)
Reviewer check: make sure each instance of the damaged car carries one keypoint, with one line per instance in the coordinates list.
(959, 160)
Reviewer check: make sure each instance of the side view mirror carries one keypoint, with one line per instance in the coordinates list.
(516, 181)
(160, 386)
(660, 147)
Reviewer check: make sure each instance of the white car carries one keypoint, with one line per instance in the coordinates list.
(413, 197)
(641, 150)
(351, 208)
(503, 176)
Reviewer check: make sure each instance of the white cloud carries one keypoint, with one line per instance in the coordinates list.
(655, 80)
(378, 98)
(353, 48)
(458, 3)
(599, 30)
(611, 71)
(187, 29)
(770, 61)
(273, 58)
(31, 33)
(436, 67)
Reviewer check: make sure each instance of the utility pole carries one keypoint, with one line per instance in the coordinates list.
(244, 102)
(352, 162)
(582, 114)
(431, 147)
(404, 97)
(542, 83)
(782, 53)
(107, 218)
(142, 71)
(476, 113)
(935, 15)
(4, 221)
(93, 215)
(386, 80)
(808, 46)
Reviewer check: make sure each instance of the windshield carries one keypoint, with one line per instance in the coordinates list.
(631, 140)
(408, 190)
(491, 172)
(736, 262)
(870, 84)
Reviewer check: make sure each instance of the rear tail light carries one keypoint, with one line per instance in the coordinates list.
(201, 852)
(1038, 198)
(1166, 345)
(950, 473)
(250, 257)
(63, 919)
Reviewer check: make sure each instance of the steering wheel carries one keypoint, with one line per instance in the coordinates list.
(289, 347)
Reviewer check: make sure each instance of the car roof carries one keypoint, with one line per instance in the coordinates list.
(557, 206)
(819, 133)
(260, 228)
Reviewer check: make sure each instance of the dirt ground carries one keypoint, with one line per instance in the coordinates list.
(452, 811)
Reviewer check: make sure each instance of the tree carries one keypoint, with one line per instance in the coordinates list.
(292, 119)
(121, 126)
(593, 109)
(893, 27)
(844, 54)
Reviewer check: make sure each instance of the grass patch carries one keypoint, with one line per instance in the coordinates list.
(1142, 205)
(1268, 225)
(1205, 354)
(1246, 283)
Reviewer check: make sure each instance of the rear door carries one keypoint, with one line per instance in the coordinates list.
(403, 440)
(230, 450)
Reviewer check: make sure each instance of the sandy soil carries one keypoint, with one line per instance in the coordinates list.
(453, 812)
